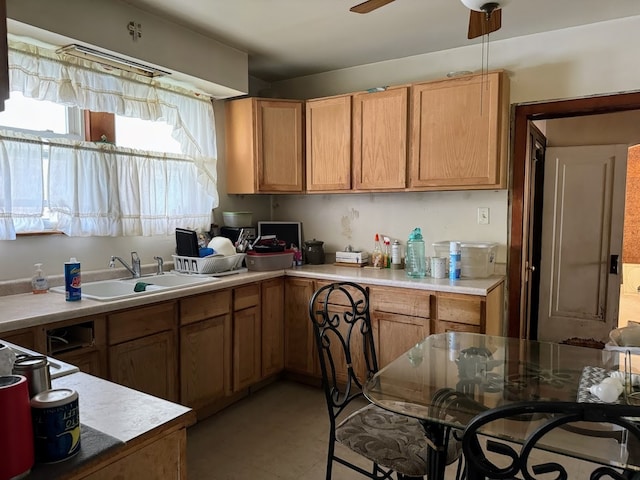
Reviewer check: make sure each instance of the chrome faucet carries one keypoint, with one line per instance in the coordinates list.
(134, 269)
(160, 261)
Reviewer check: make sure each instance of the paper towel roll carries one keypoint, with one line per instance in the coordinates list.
(16, 435)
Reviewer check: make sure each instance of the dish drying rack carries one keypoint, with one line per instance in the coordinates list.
(210, 264)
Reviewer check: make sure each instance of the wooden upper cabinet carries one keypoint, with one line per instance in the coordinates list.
(328, 146)
(380, 139)
(264, 146)
(459, 130)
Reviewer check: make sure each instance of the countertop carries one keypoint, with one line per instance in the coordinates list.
(122, 412)
(28, 310)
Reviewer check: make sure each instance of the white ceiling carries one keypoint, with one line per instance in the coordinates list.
(291, 38)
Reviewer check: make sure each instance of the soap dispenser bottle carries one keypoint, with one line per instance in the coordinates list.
(39, 282)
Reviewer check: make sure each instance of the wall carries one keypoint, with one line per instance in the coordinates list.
(575, 62)
(593, 59)
(224, 72)
(630, 288)
(215, 68)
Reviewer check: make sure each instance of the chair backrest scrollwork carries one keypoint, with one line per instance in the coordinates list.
(551, 415)
(344, 340)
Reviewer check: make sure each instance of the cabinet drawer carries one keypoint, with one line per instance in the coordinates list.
(444, 327)
(414, 303)
(205, 306)
(141, 322)
(465, 309)
(339, 298)
(245, 297)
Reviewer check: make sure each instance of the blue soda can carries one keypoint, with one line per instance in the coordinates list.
(72, 280)
(56, 424)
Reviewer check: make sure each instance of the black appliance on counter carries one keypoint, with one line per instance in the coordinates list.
(232, 233)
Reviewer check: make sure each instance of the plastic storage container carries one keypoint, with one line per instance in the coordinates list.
(478, 258)
(262, 262)
(237, 219)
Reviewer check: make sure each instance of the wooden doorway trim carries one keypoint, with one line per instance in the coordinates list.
(522, 115)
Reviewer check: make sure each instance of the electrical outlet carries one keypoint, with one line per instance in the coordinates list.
(483, 216)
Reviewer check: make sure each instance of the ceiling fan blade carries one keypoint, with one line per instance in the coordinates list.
(369, 6)
(479, 24)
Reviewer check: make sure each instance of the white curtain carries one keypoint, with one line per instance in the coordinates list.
(97, 189)
(21, 187)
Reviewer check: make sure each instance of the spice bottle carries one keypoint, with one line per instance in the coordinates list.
(396, 255)
(377, 256)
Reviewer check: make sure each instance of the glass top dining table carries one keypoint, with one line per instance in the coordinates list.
(493, 371)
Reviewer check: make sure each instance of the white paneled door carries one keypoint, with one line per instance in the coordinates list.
(582, 224)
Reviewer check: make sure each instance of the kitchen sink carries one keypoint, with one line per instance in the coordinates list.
(107, 290)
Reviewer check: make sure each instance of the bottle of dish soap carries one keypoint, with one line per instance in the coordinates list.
(39, 282)
(377, 257)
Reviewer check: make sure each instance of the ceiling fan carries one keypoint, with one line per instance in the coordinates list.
(485, 16)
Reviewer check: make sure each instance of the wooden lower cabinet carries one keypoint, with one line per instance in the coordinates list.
(142, 349)
(400, 318)
(27, 338)
(205, 361)
(470, 313)
(272, 301)
(87, 360)
(396, 334)
(299, 344)
(164, 458)
(148, 364)
(246, 348)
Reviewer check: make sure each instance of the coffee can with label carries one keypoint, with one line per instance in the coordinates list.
(56, 424)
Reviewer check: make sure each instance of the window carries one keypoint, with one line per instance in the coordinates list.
(145, 135)
(41, 117)
(164, 178)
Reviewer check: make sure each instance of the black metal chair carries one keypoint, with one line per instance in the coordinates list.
(552, 415)
(344, 340)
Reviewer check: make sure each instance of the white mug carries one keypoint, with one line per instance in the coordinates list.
(438, 265)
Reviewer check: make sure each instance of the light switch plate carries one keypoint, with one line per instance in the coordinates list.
(483, 215)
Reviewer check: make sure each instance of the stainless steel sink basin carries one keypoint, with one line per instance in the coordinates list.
(106, 290)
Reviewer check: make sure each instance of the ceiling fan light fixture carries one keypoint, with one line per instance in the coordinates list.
(484, 6)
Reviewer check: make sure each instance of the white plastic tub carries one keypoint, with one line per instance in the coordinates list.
(478, 259)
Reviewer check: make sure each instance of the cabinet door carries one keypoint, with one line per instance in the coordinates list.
(148, 364)
(272, 326)
(397, 334)
(380, 139)
(299, 349)
(264, 145)
(459, 133)
(205, 361)
(87, 360)
(246, 348)
(279, 146)
(328, 147)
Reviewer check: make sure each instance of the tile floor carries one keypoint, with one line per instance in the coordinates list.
(277, 433)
